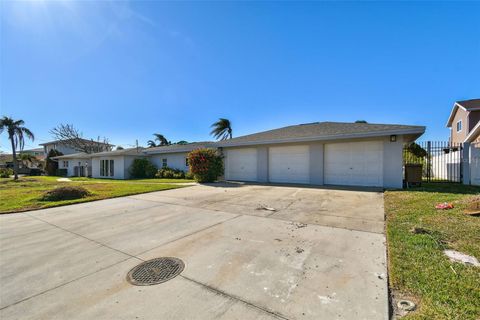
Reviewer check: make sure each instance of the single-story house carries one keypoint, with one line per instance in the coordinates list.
(108, 164)
(175, 155)
(76, 164)
(331, 153)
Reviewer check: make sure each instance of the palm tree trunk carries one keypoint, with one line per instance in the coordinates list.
(14, 155)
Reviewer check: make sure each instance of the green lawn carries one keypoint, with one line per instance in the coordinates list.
(25, 193)
(417, 266)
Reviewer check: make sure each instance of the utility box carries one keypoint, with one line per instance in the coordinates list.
(413, 174)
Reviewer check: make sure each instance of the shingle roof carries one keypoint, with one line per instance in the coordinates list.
(32, 150)
(180, 147)
(323, 131)
(470, 104)
(80, 155)
(123, 152)
(85, 140)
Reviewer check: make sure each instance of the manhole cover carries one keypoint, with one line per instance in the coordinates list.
(155, 271)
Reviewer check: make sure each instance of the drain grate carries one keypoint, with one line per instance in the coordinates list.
(155, 271)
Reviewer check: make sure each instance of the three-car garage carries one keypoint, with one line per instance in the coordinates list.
(331, 153)
(347, 163)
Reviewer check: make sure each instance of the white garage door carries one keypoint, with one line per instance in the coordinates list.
(241, 164)
(289, 164)
(354, 163)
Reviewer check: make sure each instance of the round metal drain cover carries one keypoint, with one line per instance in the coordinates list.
(155, 271)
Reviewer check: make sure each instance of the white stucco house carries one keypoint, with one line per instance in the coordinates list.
(109, 164)
(319, 153)
(175, 156)
(76, 164)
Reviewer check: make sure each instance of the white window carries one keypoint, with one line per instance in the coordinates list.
(164, 162)
(186, 162)
(107, 168)
(459, 125)
(65, 164)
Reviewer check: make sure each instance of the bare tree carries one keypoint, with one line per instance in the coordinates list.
(73, 138)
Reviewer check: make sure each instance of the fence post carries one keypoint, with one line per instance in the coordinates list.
(429, 159)
(466, 163)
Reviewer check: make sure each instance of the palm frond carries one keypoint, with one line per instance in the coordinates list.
(151, 144)
(29, 134)
(222, 129)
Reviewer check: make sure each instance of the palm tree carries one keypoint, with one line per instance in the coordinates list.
(151, 144)
(161, 138)
(222, 129)
(16, 133)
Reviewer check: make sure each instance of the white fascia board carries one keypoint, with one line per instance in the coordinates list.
(324, 138)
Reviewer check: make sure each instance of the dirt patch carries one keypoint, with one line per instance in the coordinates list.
(473, 206)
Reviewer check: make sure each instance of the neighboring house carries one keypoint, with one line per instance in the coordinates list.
(66, 149)
(6, 160)
(464, 121)
(38, 153)
(332, 153)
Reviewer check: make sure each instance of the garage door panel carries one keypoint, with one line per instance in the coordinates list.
(241, 164)
(354, 163)
(289, 164)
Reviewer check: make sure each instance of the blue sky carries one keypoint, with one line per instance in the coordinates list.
(125, 70)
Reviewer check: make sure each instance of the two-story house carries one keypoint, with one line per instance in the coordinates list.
(66, 149)
(78, 163)
(464, 121)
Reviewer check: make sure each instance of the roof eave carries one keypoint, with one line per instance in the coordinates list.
(414, 133)
(178, 150)
(474, 133)
(452, 113)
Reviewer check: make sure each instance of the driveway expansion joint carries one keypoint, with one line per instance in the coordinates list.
(65, 283)
(84, 237)
(223, 293)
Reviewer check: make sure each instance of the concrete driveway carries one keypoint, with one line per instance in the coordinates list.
(320, 255)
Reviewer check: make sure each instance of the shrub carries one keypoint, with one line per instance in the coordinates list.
(65, 193)
(416, 150)
(206, 165)
(170, 173)
(50, 165)
(5, 172)
(142, 168)
(61, 172)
